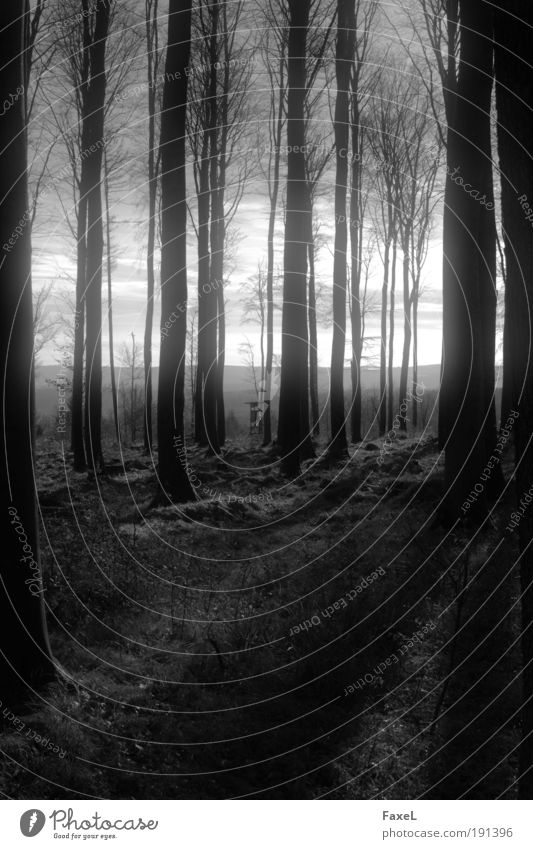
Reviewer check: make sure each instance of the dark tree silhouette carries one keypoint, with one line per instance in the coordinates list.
(275, 48)
(84, 44)
(514, 99)
(422, 160)
(420, 238)
(206, 382)
(96, 70)
(293, 425)
(171, 392)
(275, 38)
(230, 118)
(467, 414)
(319, 153)
(205, 401)
(343, 61)
(153, 58)
(24, 649)
(94, 115)
(217, 116)
(384, 141)
(109, 258)
(360, 86)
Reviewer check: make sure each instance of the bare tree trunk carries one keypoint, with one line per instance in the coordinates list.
(220, 229)
(313, 343)
(514, 100)
(344, 58)
(407, 334)
(274, 196)
(94, 122)
(221, 360)
(390, 396)
(93, 357)
(210, 335)
(114, 396)
(294, 389)
(25, 651)
(267, 432)
(77, 442)
(206, 383)
(152, 8)
(216, 118)
(383, 350)
(133, 430)
(78, 413)
(364, 22)
(414, 406)
(172, 466)
(192, 370)
(204, 267)
(356, 247)
(467, 416)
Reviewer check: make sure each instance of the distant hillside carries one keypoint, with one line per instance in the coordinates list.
(238, 385)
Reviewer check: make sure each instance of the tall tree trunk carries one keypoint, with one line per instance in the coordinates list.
(192, 372)
(274, 196)
(267, 424)
(313, 342)
(221, 361)
(77, 442)
(210, 335)
(206, 384)
(414, 406)
(294, 388)
(94, 122)
(114, 396)
(514, 100)
(382, 412)
(133, 429)
(151, 44)
(390, 396)
(78, 411)
(344, 58)
(93, 356)
(24, 649)
(219, 231)
(172, 467)
(467, 415)
(204, 268)
(407, 332)
(356, 234)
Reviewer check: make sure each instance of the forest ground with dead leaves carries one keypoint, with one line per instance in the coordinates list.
(207, 652)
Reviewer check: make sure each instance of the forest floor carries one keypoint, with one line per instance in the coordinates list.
(191, 673)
